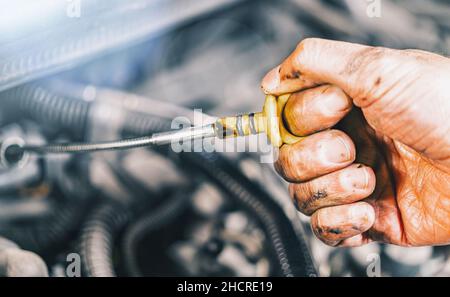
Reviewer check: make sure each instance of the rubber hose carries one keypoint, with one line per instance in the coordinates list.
(142, 124)
(46, 107)
(98, 237)
(155, 219)
(291, 251)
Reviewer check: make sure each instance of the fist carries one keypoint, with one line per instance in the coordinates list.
(375, 161)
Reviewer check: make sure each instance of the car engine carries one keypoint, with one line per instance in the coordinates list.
(84, 71)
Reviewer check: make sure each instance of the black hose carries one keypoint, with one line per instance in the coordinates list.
(98, 237)
(291, 251)
(143, 124)
(156, 218)
(45, 106)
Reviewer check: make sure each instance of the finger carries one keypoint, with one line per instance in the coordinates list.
(316, 109)
(345, 186)
(318, 61)
(334, 224)
(316, 155)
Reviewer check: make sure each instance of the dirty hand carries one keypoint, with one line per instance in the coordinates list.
(383, 173)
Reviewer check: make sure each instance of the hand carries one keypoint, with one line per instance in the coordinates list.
(385, 174)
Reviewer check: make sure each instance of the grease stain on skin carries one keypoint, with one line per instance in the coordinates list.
(335, 231)
(319, 230)
(378, 82)
(318, 195)
(294, 75)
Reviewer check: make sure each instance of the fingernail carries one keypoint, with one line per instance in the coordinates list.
(271, 81)
(362, 215)
(356, 178)
(337, 151)
(331, 103)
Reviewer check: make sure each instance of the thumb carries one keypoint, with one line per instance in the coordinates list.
(319, 61)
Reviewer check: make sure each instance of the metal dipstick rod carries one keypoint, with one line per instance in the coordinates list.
(268, 121)
(207, 131)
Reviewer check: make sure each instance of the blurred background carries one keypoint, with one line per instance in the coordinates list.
(78, 70)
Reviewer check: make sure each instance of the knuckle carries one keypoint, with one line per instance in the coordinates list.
(306, 46)
(364, 58)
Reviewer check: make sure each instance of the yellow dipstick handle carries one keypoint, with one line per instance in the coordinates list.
(269, 121)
